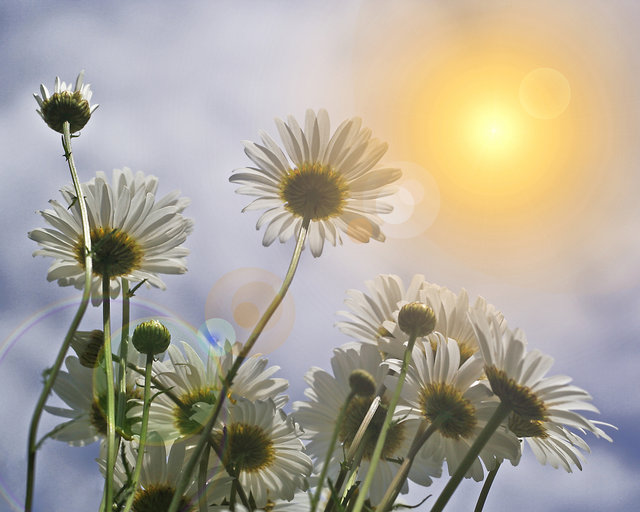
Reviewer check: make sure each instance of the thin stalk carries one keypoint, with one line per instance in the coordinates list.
(123, 355)
(494, 422)
(111, 411)
(202, 480)
(486, 487)
(84, 302)
(377, 451)
(228, 380)
(395, 487)
(143, 432)
(334, 437)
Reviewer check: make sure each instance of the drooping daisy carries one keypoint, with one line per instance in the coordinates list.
(438, 385)
(197, 385)
(543, 409)
(84, 390)
(332, 180)
(66, 104)
(133, 235)
(319, 414)
(369, 312)
(263, 447)
(160, 475)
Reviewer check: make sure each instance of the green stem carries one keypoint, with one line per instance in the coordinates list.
(111, 412)
(398, 481)
(334, 437)
(84, 302)
(494, 422)
(123, 355)
(486, 487)
(228, 380)
(143, 432)
(202, 480)
(377, 451)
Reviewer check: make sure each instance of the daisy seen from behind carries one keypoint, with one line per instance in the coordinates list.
(319, 414)
(543, 410)
(133, 234)
(330, 180)
(67, 103)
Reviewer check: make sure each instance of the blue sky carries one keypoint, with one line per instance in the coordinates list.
(181, 85)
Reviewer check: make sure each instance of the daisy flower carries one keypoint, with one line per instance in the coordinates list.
(439, 386)
(67, 103)
(133, 235)
(334, 181)
(197, 385)
(369, 312)
(84, 390)
(263, 447)
(319, 414)
(160, 475)
(543, 409)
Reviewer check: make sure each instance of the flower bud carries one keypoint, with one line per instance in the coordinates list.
(362, 383)
(416, 319)
(151, 338)
(88, 345)
(66, 104)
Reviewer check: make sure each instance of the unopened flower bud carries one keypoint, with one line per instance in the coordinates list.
(66, 104)
(416, 319)
(151, 338)
(88, 346)
(362, 383)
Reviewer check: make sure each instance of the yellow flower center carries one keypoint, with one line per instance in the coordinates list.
(98, 418)
(456, 413)
(520, 399)
(245, 447)
(315, 191)
(356, 412)
(115, 253)
(183, 416)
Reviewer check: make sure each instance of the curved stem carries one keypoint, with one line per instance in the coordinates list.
(377, 451)
(334, 438)
(228, 380)
(494, 422)
(143, 432)
(486, 487)
(84, 302)
(111, 412)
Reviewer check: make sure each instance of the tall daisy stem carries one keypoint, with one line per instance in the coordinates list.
(494, 422)
(111, 412)
(377, 451)
(395, 487)
(228, 380)
(143, 432)
(123, 355)
(84, 302)
(486, 487)
(334, 438)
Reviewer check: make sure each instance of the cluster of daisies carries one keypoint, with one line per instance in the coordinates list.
(427, 373)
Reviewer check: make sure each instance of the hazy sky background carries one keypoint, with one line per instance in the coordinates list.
(180, 85)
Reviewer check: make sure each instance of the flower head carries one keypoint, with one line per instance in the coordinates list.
(326, 397)
(333, 181)
(66, 104)
(542, 408)
(133, 235)
(196, 385)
